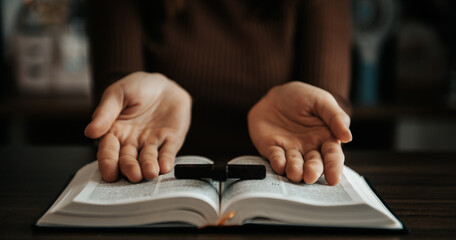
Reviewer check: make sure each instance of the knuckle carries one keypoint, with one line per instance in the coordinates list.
(291, 164)
(312, 155)
(333, 163)
(294, 156)
(149, 156)
(331, 150)
(314, 162)
(314, 166)
(127, 157)
(107, 154)
(109, 147)
(167, 156)
(276, 158)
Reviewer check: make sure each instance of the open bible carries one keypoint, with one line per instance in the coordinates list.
(88, 201)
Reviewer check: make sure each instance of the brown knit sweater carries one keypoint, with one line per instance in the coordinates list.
(225, 53)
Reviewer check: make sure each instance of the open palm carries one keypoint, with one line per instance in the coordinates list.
(299, 127)
(142, 120)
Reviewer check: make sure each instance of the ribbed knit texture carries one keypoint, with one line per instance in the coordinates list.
(224, 57)
(222, 53)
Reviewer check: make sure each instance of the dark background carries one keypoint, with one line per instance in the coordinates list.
(416, 110)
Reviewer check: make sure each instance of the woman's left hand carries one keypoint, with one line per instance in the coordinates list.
(299, 129)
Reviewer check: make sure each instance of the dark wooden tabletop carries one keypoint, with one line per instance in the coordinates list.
(419, 187)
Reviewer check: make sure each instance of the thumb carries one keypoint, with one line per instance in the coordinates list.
(106, 113)
(335, 118)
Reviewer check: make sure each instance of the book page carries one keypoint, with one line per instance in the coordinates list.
(279, 187)
(100, 192)
(370, 197)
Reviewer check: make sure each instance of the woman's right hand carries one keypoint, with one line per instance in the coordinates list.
(142, 121)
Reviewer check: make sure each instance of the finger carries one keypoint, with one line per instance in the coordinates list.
(333, 159)
(295, 164)
(148, 161)
(108, 156)
(313, 166)
(276, 156)
(333, 115)
(167, 155)
(106, 113)
(128, 163)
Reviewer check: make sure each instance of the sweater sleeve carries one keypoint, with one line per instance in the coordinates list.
(115, 41)
(324, 42)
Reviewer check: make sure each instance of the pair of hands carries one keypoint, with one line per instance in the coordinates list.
(143, 118)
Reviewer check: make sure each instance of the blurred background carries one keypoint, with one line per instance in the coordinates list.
(403, 74)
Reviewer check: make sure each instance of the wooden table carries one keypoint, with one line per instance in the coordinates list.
(419, 187)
